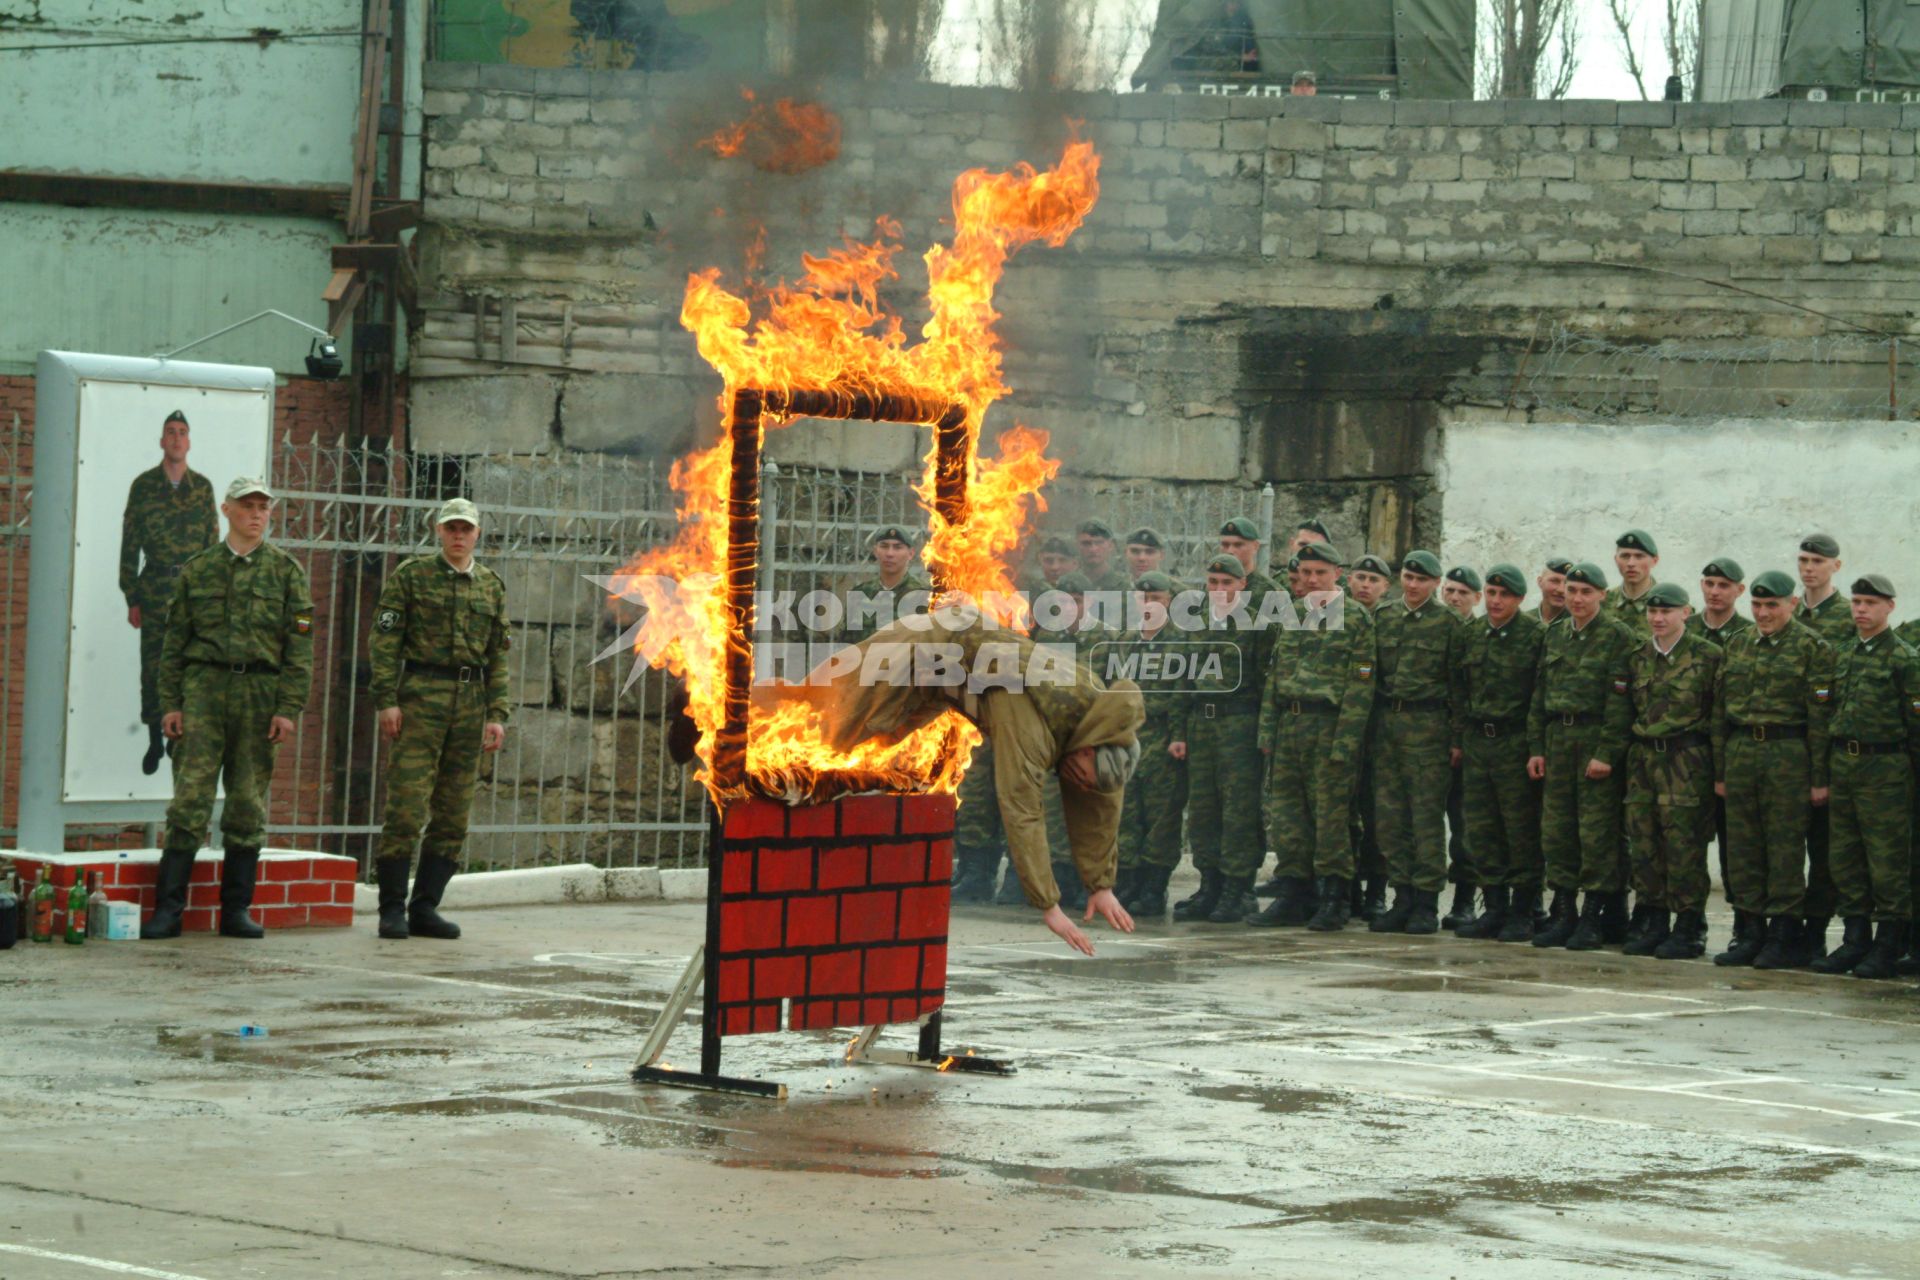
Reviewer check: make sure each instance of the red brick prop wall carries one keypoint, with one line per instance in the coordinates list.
(292, 889)
(839, 909)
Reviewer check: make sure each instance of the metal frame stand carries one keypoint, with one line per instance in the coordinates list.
(862, 1053)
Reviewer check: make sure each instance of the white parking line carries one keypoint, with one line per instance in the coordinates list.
(98, 1264)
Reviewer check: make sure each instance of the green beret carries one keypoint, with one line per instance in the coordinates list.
(1147, 537)
(1424, 563)
(1241, 527)
(1638, 540)
(1821, 544)
(890, 533)
(1293, 562)
(1465, 576)
(1074, 584)
(1558, 564)
(1154, 580)
(1667, 595)
(1724, 568)
(1321, 552)
(1772, 585)
(1095, 528)
(1057, 546)
(1589, 573)
(1372, 564)
(1873, 584)
(1508, 576)
(1229, 565)
(1317, 529)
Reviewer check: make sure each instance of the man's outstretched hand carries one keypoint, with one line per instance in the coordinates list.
(1066, 930)
(1110, 910)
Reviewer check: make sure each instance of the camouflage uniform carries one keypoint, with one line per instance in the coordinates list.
(1670, 771)
(1770, 747)
(451, 630)
(239, 652)
(1157, 793)
(873, 604)
(1580, 713)
(1538, 614)
(1418, 652)
(1875, 732)
(1218, 717)
(1832, 621)
(1319, 695)
(1720, 635)
(1630, 611)
(162, 526)
(1493, 689)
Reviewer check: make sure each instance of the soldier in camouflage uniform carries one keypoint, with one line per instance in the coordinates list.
(1460, 592)
(1215, 728)
(1770, 762)
(1876, 734)
(1313, 723)
(1722, 583)
(1240, 538)
(1096, 557)
(1368, 583)
(896, 591)
(1420, 642)
(1306, 533)
(169, 517)
(1157, 796)
(1908, 633)
(1825, 609)
(1146, 553)
(445, 617)
(1635, 555)
(1670, 778)
(234, 676)
(1577, 729)
(1553, 591)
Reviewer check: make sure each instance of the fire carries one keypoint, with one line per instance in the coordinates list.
(828, 330)
(789, 137)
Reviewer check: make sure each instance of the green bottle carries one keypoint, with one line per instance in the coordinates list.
(77, 913)
(42, 907)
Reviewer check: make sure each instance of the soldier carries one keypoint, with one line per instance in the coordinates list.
(1553, 591)
(1635, 555)
(1493, 689)
(1157, 799)
(893, 592)
(1823, 608)
(1368, 582)
(1876, 734)
(1240, 538)
(1215, 726)
(168, 517)
(1722, 583)
(1063, 616)
(1146, 553)
(234, 675)
(1770, 762)
(1313, 725)
(1908, 633)
(1577, 729)
(1096, 557)
(1670, 777)
(1305, 534)
(1419, 642)
(1460, 591)
(446, 616)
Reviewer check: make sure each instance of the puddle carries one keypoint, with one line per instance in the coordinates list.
(1429, 982)
(1272, 1098)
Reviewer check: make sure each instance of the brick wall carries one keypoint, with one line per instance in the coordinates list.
(292, 890)
(838, 909)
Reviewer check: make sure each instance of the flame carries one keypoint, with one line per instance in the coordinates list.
(789, 137)
(829, 330)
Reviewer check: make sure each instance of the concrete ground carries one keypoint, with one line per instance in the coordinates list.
(1195, 1100)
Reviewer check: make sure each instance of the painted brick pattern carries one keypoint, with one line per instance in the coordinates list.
(838, 910)
(294, 889)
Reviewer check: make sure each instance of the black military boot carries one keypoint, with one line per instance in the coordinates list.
(1813, 936)
(973, 877)
(1521, 910)
(1562, 919)
(1374, 901)
(1273, 884)
(429, 882)
(1336, 901)
(1425, 917)
(1236, 901)
(1786, 945)
(1883, 961)
(1073, 894)
(1149, 900)
(170, 882)
(1589, 934)
(1655, 929)
(1688, 939)
(1010, 893)
(1292, 905)
(1615, 923)
(1856, 939)
(1462, 911)
(1749, 936)
(237, 878)
(1200, 905)
(1394, 918)
(156, 747)
(1490, 922)
(391, 875)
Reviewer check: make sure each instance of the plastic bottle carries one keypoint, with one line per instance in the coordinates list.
(77, 913)
(9, 912)
(42, 911)
(97, 907)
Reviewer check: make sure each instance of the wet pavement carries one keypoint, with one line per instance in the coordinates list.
(1196, 1100)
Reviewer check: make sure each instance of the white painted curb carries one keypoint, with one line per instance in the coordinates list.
(575, 882)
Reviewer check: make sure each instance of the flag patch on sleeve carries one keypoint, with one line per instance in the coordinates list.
(1821, 695)
(1366, 673)
(302, 624)
(1619, 686)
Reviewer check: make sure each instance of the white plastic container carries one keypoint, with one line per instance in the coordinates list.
(122, 922)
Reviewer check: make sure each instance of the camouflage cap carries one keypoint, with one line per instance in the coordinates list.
(457, 509)
(1558, 564)
(1095, 529)
(245, 486)
(1423, 564)
(1315, 527)
(1667, 595)
(1509, 577)
(1873, 584)
(1637, 540)
(1589, 573)
(1147, 536)
(1772, 585)
(1154, 580)
(1821, 544)
(1241, 527)
(1320, 552)
(1371, 563)
(1465, 576)
(891, 533)
(1057, 546)
(1228, 565)
(1074, 583)
(1724, 567)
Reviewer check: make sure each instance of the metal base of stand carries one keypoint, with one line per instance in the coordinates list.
(927, 1056)
(710, 1084)
(648, 1069)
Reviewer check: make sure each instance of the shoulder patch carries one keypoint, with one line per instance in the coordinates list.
(302, 624)
(388, 619)
(1365, 671)
(1619, 686)
(1821, 693)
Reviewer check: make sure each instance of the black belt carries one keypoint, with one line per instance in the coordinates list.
(1497, 728)
(1572, 718)
(1416, 704)
(465, 675)
(1210, 710)
(1309, 707)
(239, 668)
(1769, 732)
(1675, 742)
(1854, 747)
